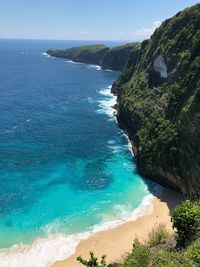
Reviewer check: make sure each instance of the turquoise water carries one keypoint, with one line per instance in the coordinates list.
(65, 166)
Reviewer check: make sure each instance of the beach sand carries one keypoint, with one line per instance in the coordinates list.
(115, 243)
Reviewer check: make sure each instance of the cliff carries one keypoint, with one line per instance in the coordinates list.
(91, 54)
(159, 102)
(116, 57)
(108, 58)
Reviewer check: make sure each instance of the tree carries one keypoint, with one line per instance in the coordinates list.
(186, 220)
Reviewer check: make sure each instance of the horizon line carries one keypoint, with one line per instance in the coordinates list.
(81, 40)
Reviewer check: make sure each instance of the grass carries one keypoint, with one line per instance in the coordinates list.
(158, 235)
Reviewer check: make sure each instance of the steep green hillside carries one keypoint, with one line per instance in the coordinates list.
(108, 58)
(116, 57)
(159, 102)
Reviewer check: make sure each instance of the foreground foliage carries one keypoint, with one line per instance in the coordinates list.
(143, 256)
(160, 250)
(186, 220)
(93, 261)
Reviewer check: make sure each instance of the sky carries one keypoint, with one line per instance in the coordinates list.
(133, 20)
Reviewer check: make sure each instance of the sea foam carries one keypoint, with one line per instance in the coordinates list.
(107, 103)
(96, 67)
(45, 251)
(45, 54)
(88, 66)
(75, 62)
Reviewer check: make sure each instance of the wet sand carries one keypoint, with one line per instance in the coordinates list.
(115, 243)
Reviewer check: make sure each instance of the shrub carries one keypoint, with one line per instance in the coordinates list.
(139, 257)
(158, 235)
(193, 252)
(165, 258)
(93, 261)
(186, 220)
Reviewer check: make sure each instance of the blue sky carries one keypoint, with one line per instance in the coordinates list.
(85, 19)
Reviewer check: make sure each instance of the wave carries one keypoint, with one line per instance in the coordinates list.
(42, 253)
(88, 66)
(70, 61)
(45, 251)
(107, 104)
(129, 145)
(74, 62)
(115, 149)
(45, 54)
(96, 67)
(106, 92)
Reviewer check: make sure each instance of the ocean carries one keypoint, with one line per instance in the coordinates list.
(66, 170)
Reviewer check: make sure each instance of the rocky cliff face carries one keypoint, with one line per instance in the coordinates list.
(116, 57)
(108, 58)
(159, 102)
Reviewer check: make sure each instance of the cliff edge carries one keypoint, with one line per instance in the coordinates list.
(159, 102)
(113, 58)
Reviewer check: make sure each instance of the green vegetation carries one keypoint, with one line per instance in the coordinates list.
(93, 261)
(186, 220)
(160, 250)
(144, 256)
(160, 107)
(157, 235)
(91, 54)
(108, 58)
(116, 57)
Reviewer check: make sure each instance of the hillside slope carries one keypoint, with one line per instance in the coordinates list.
(159, 102)
(116, 57)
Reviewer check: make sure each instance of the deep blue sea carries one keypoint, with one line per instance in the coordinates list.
(66, 170)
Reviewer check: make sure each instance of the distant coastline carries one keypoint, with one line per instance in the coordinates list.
(107, 58)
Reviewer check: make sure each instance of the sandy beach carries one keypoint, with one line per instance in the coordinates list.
(115, 243)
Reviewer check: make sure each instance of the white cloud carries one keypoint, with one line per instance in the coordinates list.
(84, 32)
(147, 32)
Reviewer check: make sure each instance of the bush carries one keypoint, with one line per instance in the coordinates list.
(186, 220)
(165, 258)
(193, 252)
(93, 261)
(139, 257)
(158, 235)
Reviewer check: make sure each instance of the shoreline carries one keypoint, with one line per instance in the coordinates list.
(103, 242)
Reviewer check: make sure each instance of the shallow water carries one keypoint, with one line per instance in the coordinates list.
(65, 166)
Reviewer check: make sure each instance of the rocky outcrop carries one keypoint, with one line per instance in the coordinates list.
(159, 102)
(108, 58)
(160, 66)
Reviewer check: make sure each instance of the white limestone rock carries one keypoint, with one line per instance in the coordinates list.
(160, 66)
